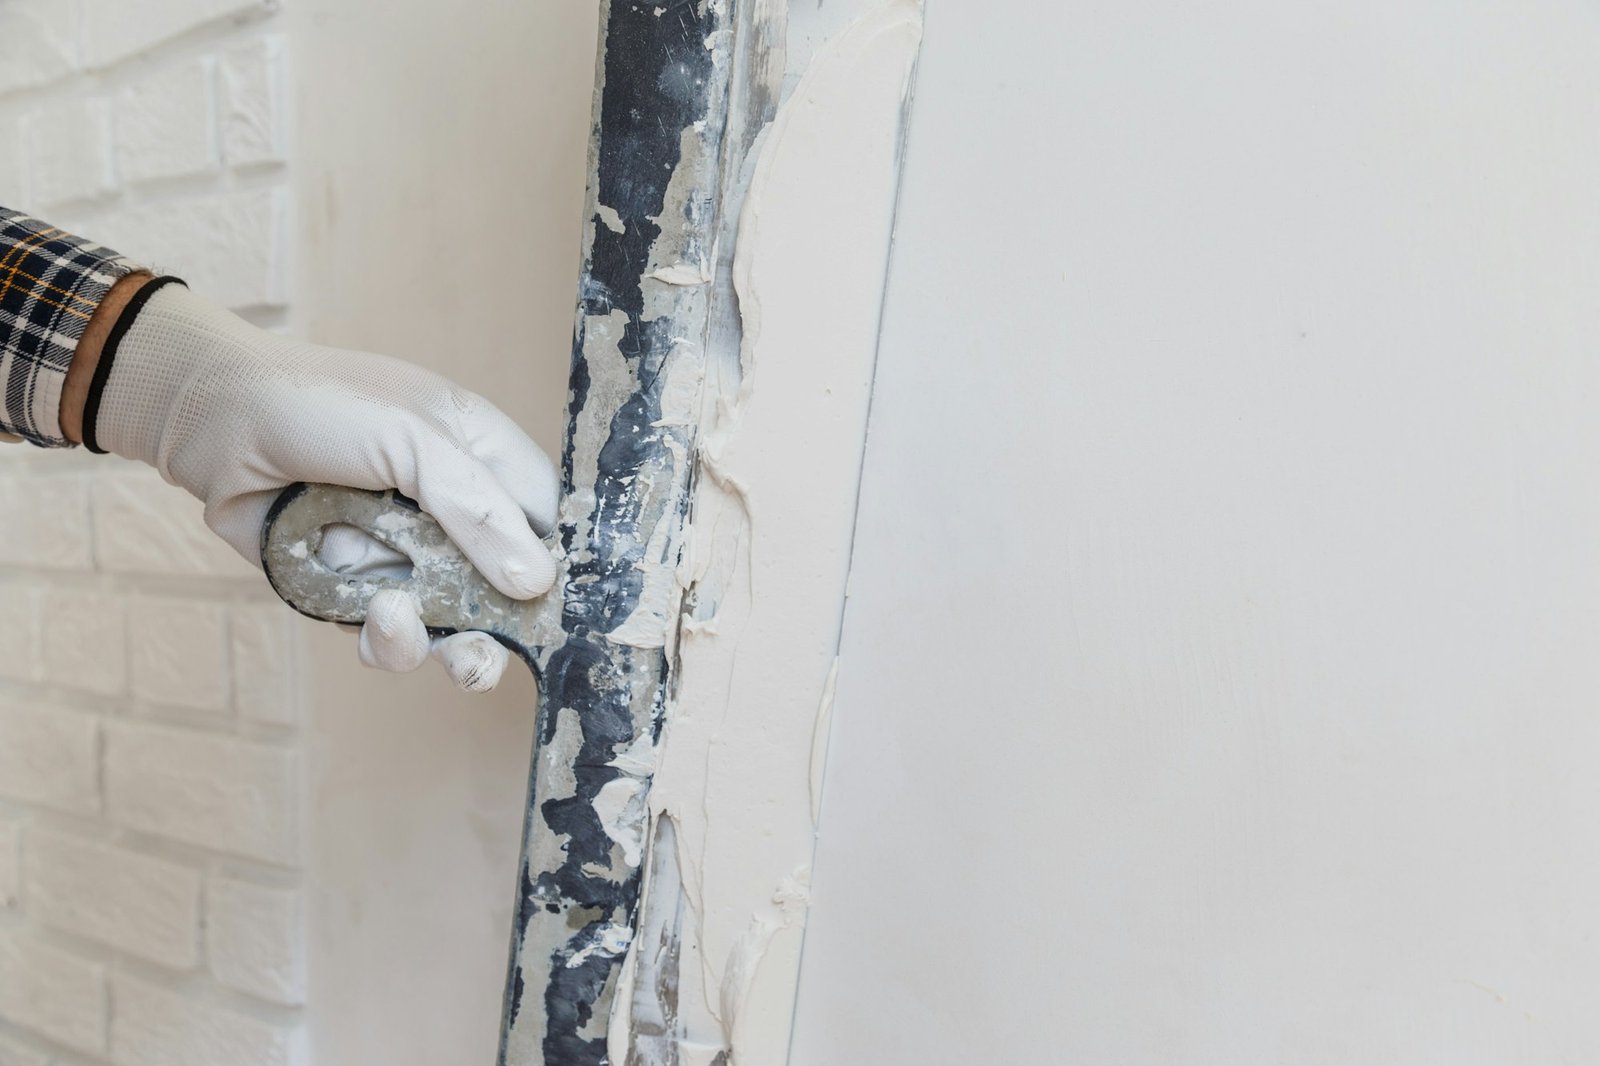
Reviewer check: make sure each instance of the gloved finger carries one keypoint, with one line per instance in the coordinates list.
(393, 637)
(521, 466)
(474, 661)
(348, 549)
(482, 518)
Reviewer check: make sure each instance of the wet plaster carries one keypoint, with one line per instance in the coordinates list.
(782, 429)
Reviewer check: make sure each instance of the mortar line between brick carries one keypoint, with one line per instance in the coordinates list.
(213, 34)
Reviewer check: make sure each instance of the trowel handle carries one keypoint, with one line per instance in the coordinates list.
(451, 595)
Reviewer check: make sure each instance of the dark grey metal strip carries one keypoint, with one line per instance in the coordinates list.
(643, 318)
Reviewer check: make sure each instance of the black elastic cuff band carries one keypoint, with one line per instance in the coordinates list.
(108, 353)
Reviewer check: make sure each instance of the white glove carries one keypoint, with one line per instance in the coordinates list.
(234, 414)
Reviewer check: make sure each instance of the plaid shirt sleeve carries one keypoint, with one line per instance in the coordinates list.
(50, 284)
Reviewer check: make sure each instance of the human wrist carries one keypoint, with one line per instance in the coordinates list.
(86, 357)
(164, 355)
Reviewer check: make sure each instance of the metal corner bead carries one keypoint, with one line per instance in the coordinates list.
(643, 319)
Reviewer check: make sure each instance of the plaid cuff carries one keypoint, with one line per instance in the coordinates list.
(50, 284)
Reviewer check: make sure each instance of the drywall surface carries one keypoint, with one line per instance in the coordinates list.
(1218, 681)
(768, 551)
(442, 159)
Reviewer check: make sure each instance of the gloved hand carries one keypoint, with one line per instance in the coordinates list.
(233, 414)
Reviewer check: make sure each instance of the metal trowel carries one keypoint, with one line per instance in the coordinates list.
(659, 189)
(451, 595)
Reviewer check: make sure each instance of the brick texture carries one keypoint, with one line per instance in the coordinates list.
(178, 653)
(252, 107)
(164, 124)
(217, 792)
(10, 860)
(150, 906)
(52, 531)
(83, 644)
(114, 29)
(11, 170)
(39, 38)
(143, 526)
(15, 1053)
(48, 757)
(70, 148)
(255, 941)
(263, 667)
(53, 993)
(227, 246)
(158, 1027)
(20, 632)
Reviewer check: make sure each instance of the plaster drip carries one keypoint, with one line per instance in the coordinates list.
(819, 741)
(762, 578)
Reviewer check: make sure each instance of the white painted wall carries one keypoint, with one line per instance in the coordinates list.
(440, 176)
(1218, 682)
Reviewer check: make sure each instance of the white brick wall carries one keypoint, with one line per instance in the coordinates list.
(253, 941)
(143, 526)
(49, 756)
(159, 1027)
(179, 653)
(53, 992)
(54, 530)
(83, 646)
(219, 792)
(20, 631)
(10, 166)
(252, 103)
(10, 863)
(15, 1054)
(226, 246)
(115, 29)
(148, 907)
(263, 665)
(69, 147)
(164, 124)
(151, 912)
(39, 38)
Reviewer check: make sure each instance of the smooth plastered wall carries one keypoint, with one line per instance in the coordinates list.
(1218, 679)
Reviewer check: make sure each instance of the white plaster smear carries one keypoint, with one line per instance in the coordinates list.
(768, 551)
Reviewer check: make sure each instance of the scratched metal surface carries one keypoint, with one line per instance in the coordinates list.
(660, 109)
